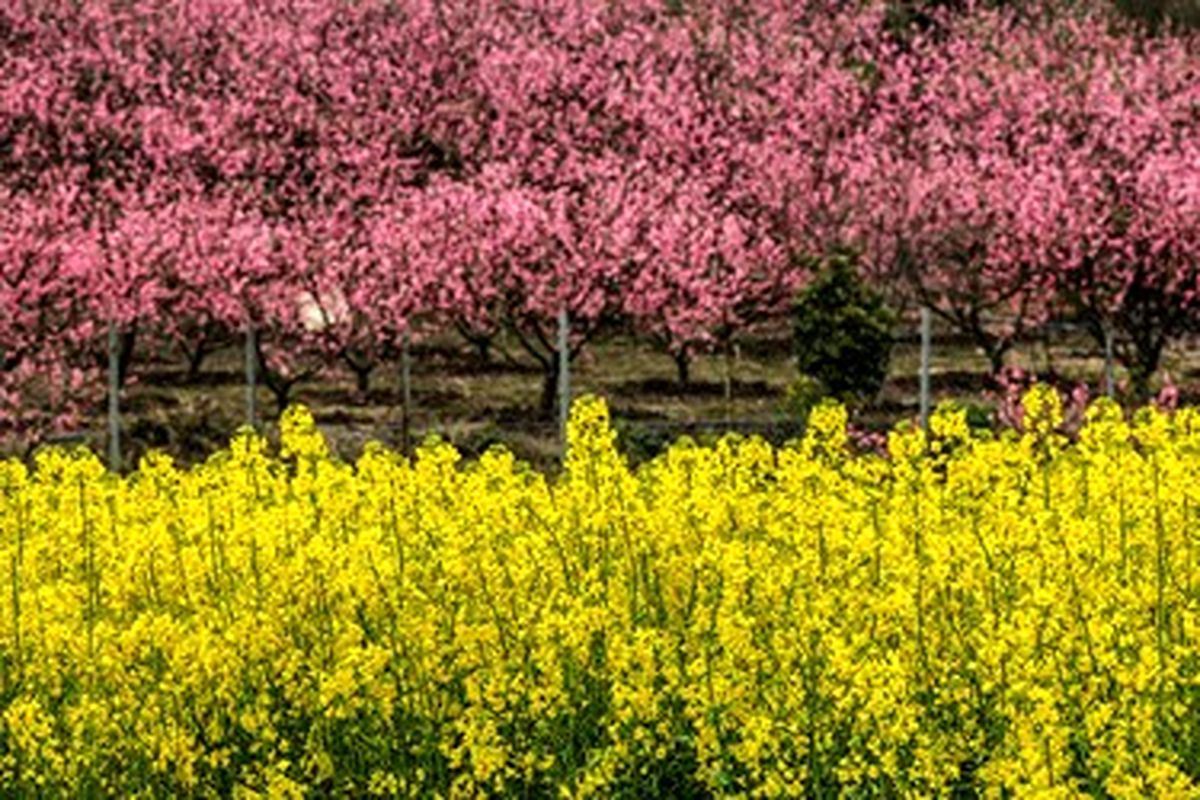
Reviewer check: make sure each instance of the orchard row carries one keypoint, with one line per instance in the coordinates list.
(338, 178)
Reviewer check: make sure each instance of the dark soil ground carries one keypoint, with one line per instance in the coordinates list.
(475, 405)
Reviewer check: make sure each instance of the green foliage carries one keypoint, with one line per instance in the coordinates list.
(979, 417)
(802, 396)
(644, 441)
(640, 442)
(843, 332)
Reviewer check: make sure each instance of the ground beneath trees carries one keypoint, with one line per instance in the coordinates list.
(475, 404)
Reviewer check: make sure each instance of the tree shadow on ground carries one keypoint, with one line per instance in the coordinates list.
(963, 381)
(665, 387)
(346, 396)
(179, 378)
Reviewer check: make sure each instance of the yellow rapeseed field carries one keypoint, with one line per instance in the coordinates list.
(1009, 615)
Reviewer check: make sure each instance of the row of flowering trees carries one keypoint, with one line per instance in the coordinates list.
(337, 177)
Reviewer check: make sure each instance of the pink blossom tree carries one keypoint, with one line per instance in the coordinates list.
(1134, 267)
(41, 387)
(958, 209)
(77, 111)
(328, 179)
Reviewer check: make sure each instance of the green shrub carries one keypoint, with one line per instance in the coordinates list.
(640, 442)
(979, 417)
(843, 332)
(802, 396)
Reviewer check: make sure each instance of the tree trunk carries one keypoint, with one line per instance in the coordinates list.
(128, 341)
(1143, 363)
(994, 348)
(1147, 335)
(995, 356)
(250, 361)
(114, 398)
(362, 367)
(564, 375)
(279, 385)
(1110, 379)
(362, 381)
(483, 350)
(120, 351)
(728, 380)
(406, 394)
(198, 345)
(281, 390)
(482, 342)
(925, 393)
(683, 368)
(196, 356)
(547, 404)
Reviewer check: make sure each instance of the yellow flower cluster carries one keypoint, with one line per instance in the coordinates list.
(1009, 615)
